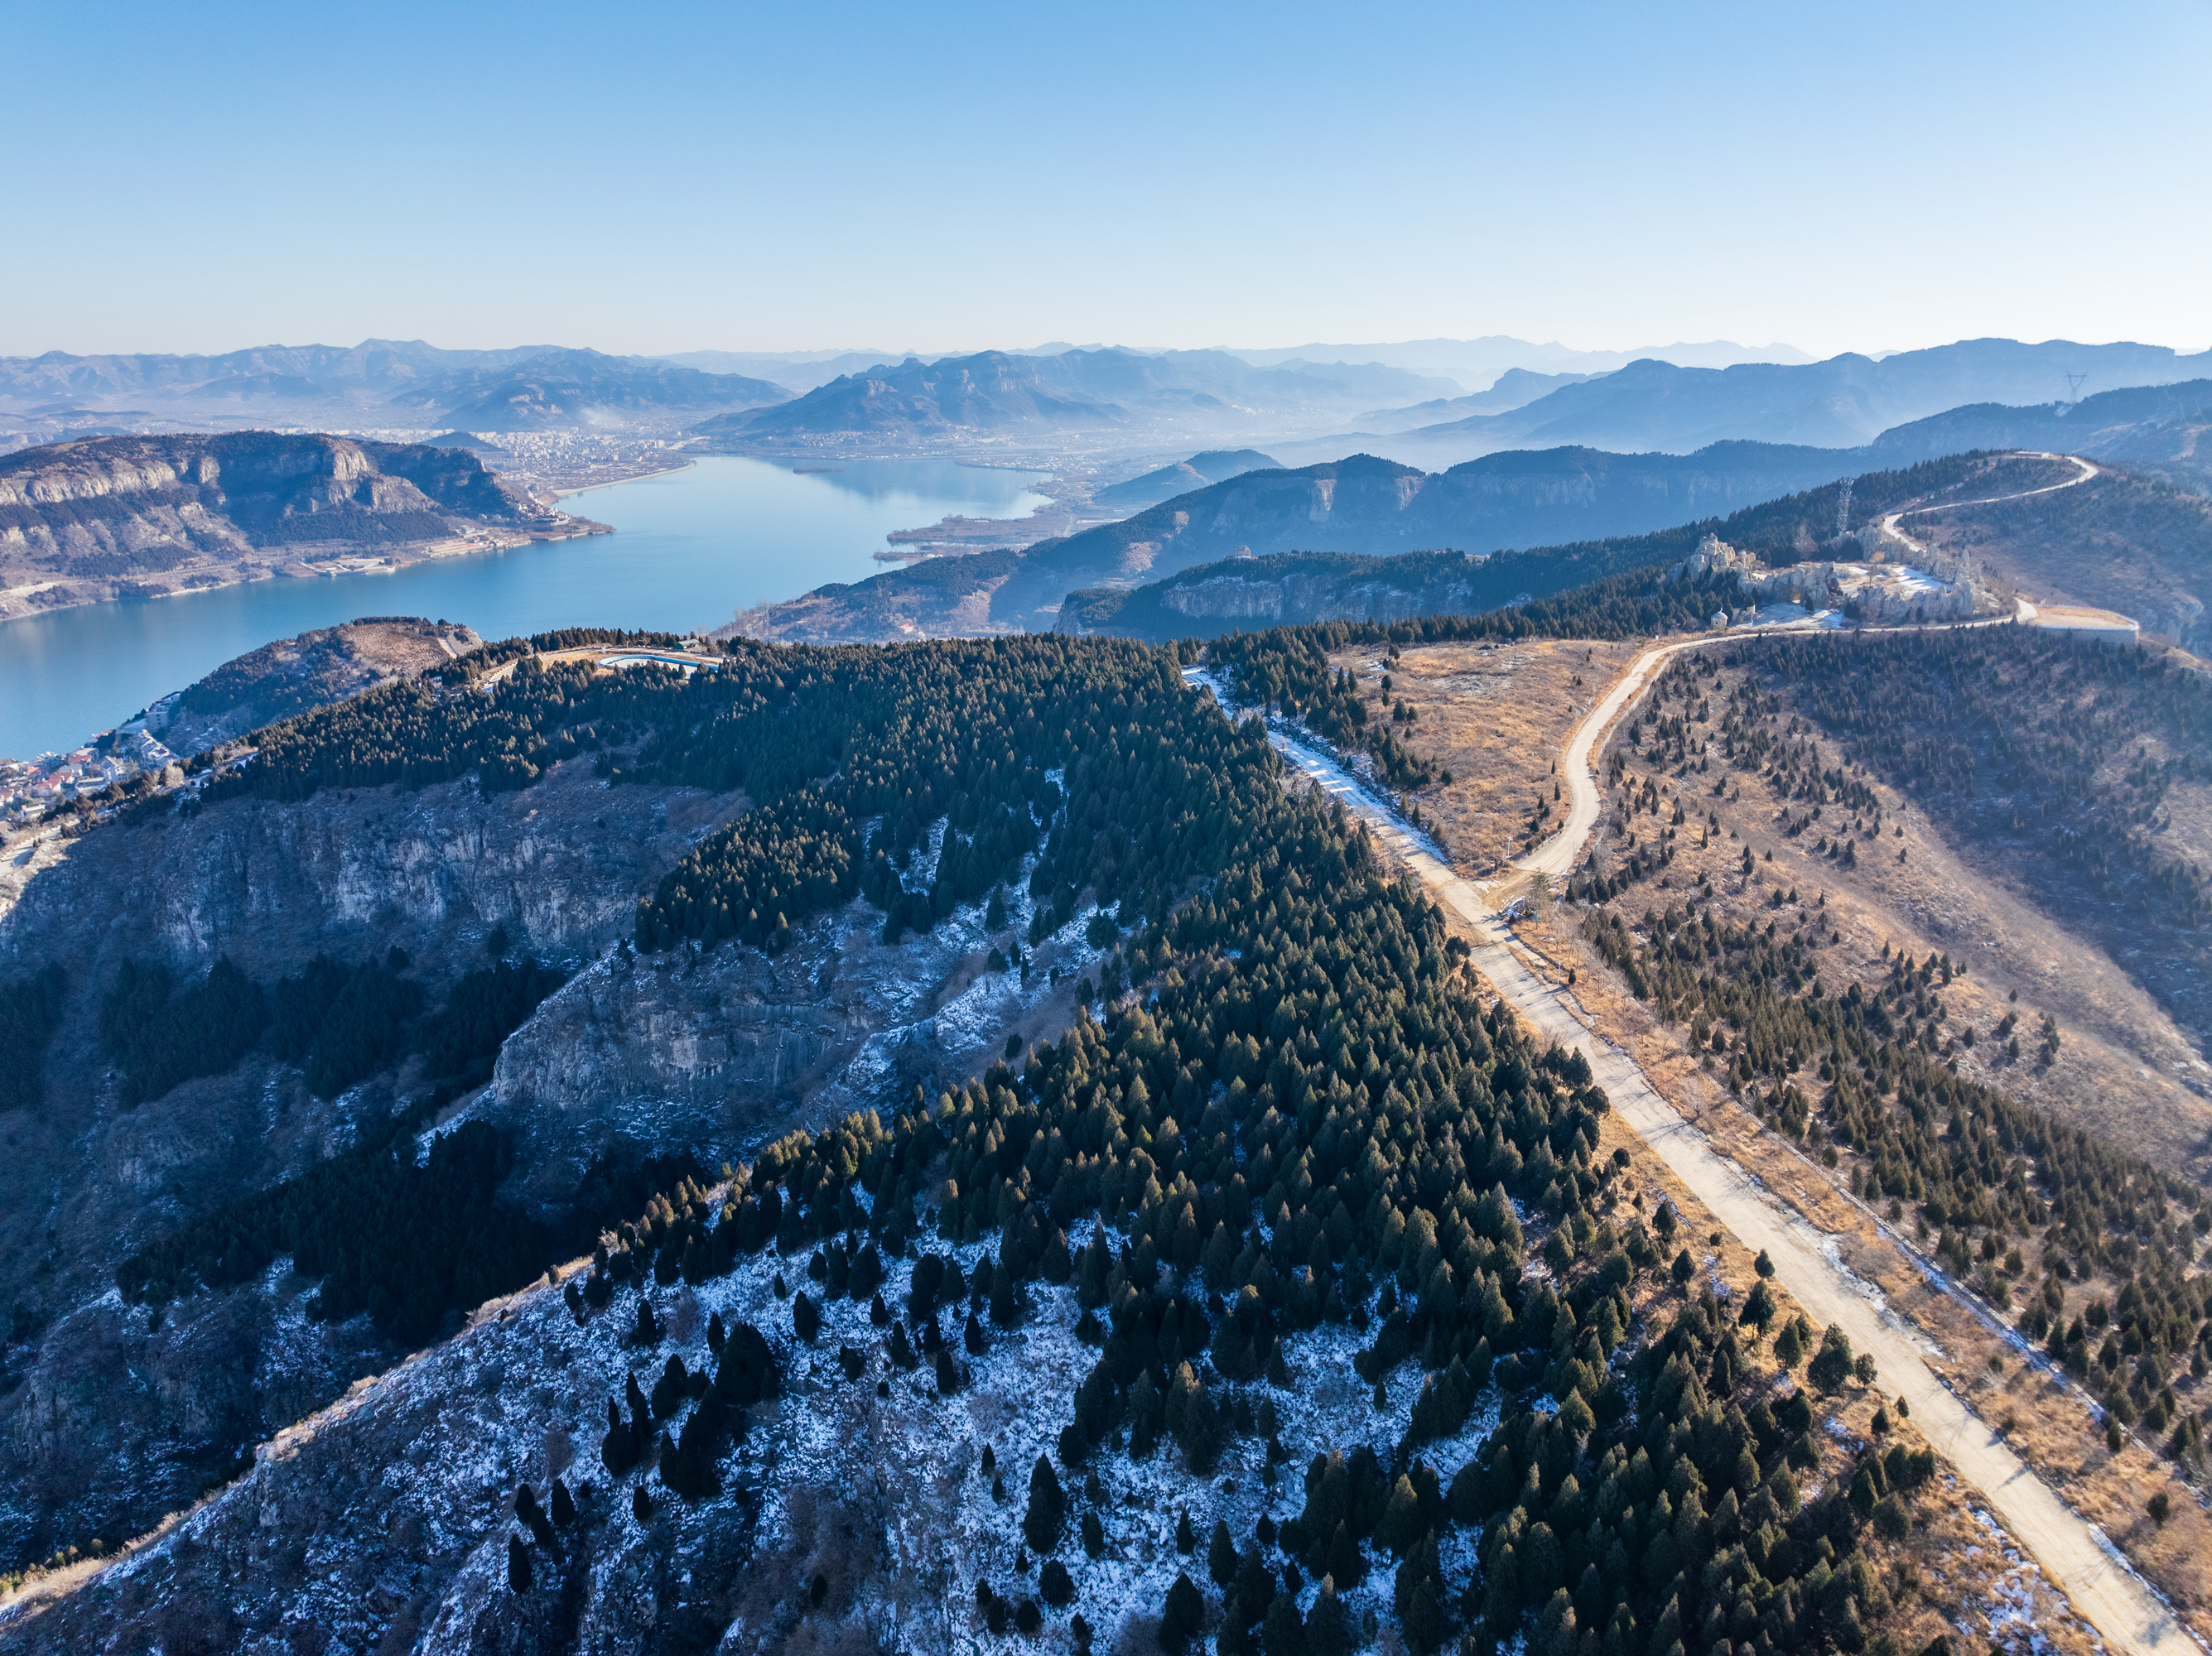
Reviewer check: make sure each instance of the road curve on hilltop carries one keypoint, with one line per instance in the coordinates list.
(1889, 521)
(1555, 856)
(2074, 1555)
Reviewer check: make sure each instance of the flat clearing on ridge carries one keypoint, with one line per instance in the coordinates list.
(1495, 715)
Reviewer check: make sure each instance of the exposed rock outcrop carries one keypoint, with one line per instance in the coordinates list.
(1877, 594)
(105, 517)
(105, 1425)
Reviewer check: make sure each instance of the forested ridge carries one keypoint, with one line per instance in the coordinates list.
(1307, 1116)
(1313, 1120)
(1310, 1118)
(1816, 523)
(848, 757)
(2013, 1201)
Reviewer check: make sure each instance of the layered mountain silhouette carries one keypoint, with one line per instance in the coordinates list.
(1215, 465)
(1841, 402)
(997, 393)
(393, 381)
(1371, 506)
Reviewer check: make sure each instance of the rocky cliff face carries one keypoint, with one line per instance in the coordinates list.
(104, 1424)
(1877, 594)
(111, 1416)
(716, 1052)
(109, 516)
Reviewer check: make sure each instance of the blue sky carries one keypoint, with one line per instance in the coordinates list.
(664, 177)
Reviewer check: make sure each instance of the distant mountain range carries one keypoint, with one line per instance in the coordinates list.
(562, 388)
(1370, 507)
(1842, 402)
(1362, 506)
(801, 370)
(1298, 407)
(1515, 388)
(377, 382)
(1122, 398)
(2162, 430)
(2119, 542)
(1475, 362)
(1216, 465)
(999, 393)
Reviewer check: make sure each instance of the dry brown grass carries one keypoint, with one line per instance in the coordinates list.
(2115, 1076)
(1496, 716)
(2125, 1070)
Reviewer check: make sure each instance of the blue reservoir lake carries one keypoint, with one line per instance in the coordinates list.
(691, 548)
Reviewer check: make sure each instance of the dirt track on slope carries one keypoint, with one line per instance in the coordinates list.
(2074, 1554)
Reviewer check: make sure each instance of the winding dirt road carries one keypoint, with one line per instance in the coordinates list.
(2074, 1555)
(1890, 529)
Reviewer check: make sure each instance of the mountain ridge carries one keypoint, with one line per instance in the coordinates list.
(1846, 401)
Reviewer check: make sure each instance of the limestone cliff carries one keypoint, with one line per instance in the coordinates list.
(105, 1423)
(113, 1417)
(108, 517)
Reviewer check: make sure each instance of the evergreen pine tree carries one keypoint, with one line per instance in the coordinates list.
(1047, 1509)
(518, 1565)
(1180, 1617)
(1221, 1555)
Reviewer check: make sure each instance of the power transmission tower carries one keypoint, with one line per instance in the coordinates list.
(2074, 386)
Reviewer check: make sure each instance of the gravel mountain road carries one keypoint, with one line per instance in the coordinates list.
(2075, 1556)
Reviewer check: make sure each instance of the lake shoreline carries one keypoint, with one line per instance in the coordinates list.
(690, 547)
(617, 483)
(387, 559)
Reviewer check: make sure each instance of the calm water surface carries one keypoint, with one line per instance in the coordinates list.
(691, 548)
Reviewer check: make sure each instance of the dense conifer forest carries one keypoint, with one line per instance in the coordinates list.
(340, 1024)
(1303, 1114)
(1307, 1117)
